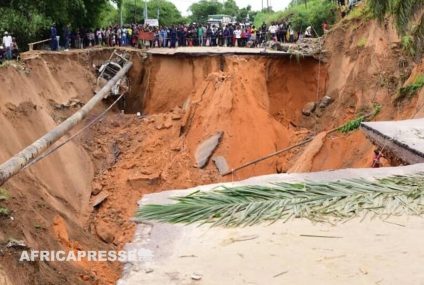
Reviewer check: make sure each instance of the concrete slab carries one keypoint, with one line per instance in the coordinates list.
(221, 164)
(199, 51)
(206, 149)
(403, 139)
(296, 252)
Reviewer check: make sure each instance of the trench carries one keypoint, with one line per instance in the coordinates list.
(256, 101)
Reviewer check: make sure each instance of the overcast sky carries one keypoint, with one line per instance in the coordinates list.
(183, 5)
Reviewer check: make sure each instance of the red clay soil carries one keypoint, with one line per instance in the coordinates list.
(256, 102)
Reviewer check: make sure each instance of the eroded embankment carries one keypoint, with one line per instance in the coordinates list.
(49, 202)
(256, 102)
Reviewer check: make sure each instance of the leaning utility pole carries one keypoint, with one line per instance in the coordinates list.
(25, 156)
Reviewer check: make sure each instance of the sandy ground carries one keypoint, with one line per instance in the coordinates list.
(358, 251)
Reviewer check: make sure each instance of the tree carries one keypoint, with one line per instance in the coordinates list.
(30, 20)
(200, 10)
(168, 13)
(244, 12)
(230, 8)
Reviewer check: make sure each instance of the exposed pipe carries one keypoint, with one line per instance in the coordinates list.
(20, 160)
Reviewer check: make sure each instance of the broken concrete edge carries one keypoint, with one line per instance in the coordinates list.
(404, 151)
(248, 52)
(221, 164)
(155, 241)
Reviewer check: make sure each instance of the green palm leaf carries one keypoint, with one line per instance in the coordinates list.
(249, 205)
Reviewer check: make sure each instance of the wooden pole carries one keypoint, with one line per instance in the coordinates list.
(20, 160)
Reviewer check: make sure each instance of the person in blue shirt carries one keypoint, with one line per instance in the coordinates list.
(53, 37)
(173, 36)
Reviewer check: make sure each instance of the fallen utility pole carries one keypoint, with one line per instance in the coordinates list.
(20, 160)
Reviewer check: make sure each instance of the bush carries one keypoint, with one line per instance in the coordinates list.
(314, 13)
(411, 89)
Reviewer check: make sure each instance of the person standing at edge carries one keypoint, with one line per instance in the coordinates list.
(53, 37)
(200, 35)
(7, 44)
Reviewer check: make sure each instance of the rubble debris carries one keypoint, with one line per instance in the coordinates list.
(206, 148)
(196, 276)
(138, 180)
(104, 233)
(96, 187)
(277, 46)
(73, 102)
(100, 198)
(305, 46)
(221, 164)
(309, 108)
(325, 102)
(16, 243)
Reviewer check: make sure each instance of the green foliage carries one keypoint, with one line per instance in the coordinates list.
(318, 201)
(4, 211)
(26, 26)
(230, 8)
(244, 12)
(359, 13)
(30, 20)
(203, 8)
(362, 43)
(200, 10)
(4, 196)
(354, 124)
(109, 16)
(168, 12)
(410, 90)
(407, 42)
(417, 33)
(380, 8)
(301, 15)
(404, 12)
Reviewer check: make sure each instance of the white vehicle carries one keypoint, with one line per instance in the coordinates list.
(108, 70)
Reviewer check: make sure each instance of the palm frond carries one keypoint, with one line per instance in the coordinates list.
(249, 205)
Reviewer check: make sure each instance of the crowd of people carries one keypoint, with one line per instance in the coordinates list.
(140, 36)
(229, 35)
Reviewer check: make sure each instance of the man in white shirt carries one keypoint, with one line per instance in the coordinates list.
(273, 30)
(237, 34)
(308, 32)
(7, 43)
